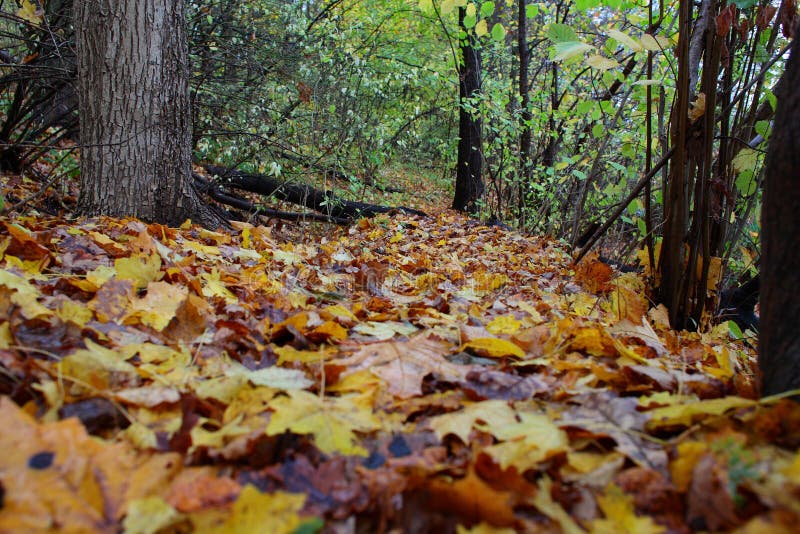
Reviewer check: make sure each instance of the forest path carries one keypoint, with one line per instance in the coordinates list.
(399, 356)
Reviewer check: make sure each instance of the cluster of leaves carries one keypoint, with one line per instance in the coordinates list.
(425, 374)
(339, 85)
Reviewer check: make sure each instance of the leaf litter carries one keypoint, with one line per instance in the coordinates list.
(404, 373)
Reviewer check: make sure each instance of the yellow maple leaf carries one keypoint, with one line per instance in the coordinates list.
(291, 354)
(247, 401)
(331, 421)
(526, 442)
(25, 295)
(217, 438)
(150, 514)
(159, 306)
(74, 312)
(141, 268)
(493, 347)
(461, 423)
(505, 324)
(205, 252)
(214, 287)
(6, 339)
(483, 528)
(682, 414)
(338, 311)
(97, 366)
(682, 467)
(621, 516)
(328, 330)
(30, 12)
(255, 513)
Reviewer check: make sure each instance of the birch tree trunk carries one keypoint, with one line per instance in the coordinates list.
(135, 116)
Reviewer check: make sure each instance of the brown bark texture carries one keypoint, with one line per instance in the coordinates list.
(779, 341)
(135, 113)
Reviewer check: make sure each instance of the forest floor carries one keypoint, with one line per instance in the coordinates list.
(405, 373)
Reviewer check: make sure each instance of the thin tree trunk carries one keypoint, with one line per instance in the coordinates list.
(133, 87)
(525, 97)
(676, 200)
(469, 182)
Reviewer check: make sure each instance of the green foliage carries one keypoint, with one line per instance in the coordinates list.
(305, 91)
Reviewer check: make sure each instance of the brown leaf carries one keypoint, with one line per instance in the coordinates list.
(472, 499)
(403, 364)
(710, 505)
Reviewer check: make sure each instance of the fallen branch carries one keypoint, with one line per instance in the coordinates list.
(324, 202)
(216, 193)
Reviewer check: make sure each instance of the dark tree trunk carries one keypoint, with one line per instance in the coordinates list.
(469, 182)
(133, 87)
(524, 94)
(779, 344)
(676, 199)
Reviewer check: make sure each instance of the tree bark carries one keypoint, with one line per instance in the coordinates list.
(676, 199)
(135, 116)
(779, 344)
(524, 94)
(469, 182)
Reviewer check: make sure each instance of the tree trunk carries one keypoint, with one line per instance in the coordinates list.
(135, 121)
(779, 344)
(524, 94)
(676, 199)
(469, 183)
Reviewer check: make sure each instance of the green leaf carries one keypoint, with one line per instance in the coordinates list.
(625, 39)
(734, 329)
(310, 526)
(487, 8)
(773, 102)
(763, 129)
(426, 6)
(584, 107)
(598, 130)
(469, 22)
(583, 5)
(447, 7)
(642, 227)
(498, 32)
(745, 183)
(471, 11)
(601, 62)
(562, 51)
(531, 10)
(561, 33)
